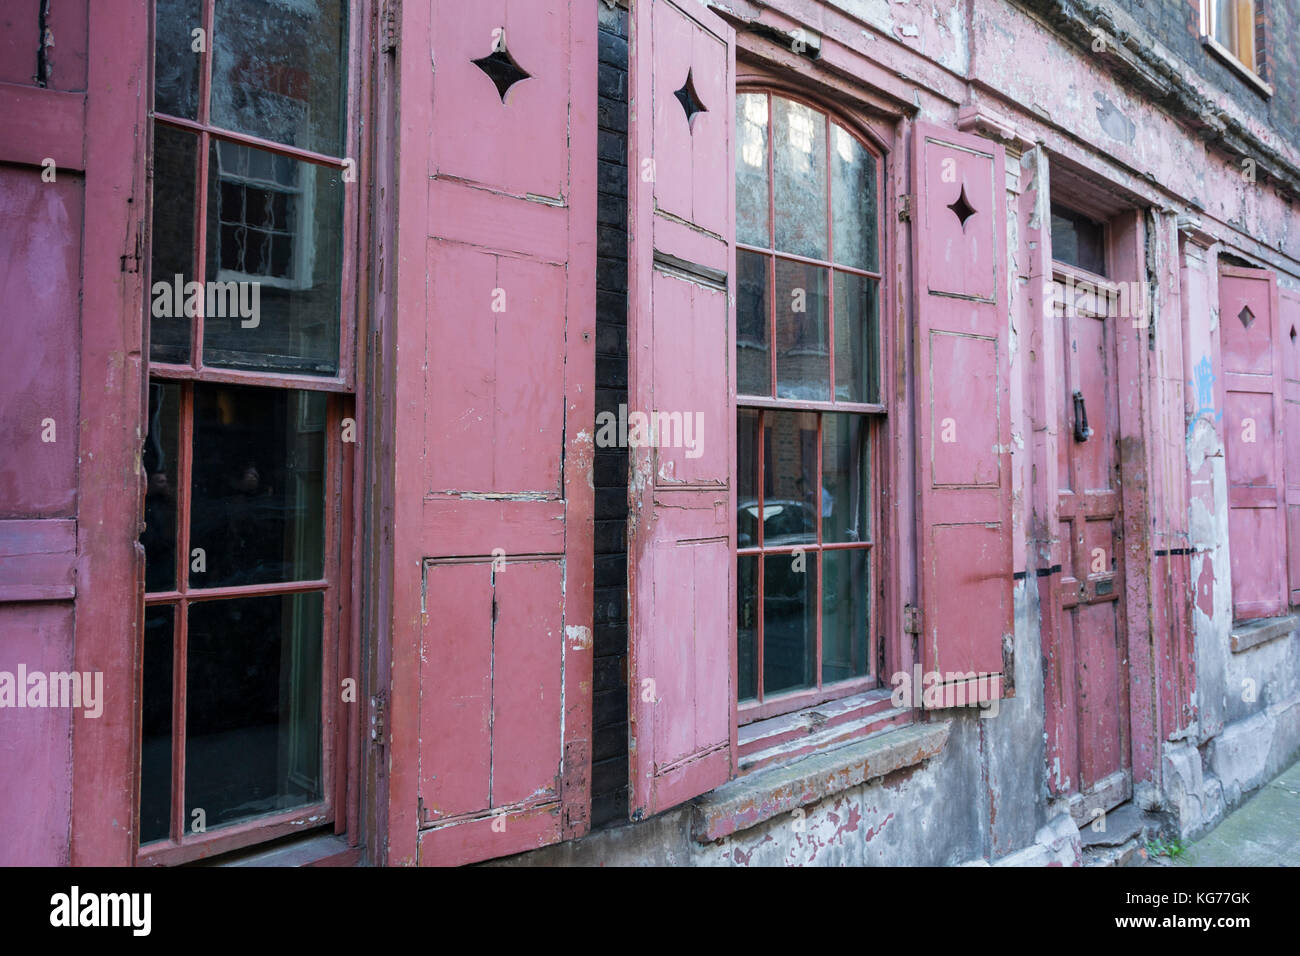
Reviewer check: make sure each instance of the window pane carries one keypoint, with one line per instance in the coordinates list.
(753, 354)
(751, 170)
(845, 593)
(1078, 240)
(747, 478)
(252, 712)
(279, 71)
(275, 229)
(175, 176)
(747, 627)
(799, 153)
(856, 337)
(176, 64)
(802, 359)
(790, 478)
(1225, 23)
(156, 725)
(161, 460)
(853, 201)
(789, 622)
(845, 478)
(258, 510)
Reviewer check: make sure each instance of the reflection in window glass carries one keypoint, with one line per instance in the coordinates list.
(799, 153)
(258, 509)
(789, 622)
(1078, 240)
(747, 627)
(172, 255)
(156, 724)
(753, 325)
(752, 226)
(790, 495)
(253, 706)
(161, 462)
(845, 478)
(803, 366)
(279, 71)
(176, 64)
(853, 201)
(845, 593)
(275, 226)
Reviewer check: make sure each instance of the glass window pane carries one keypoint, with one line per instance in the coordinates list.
(747, 627)
(156, 725)
(753, 352)
(853, 201)
(751, 170)
(799, 155)
(790, 478)
(803, 368)
(253, 706)
(1078, 240)
(279, 71)
(846, 488)
(172, 258)
(747, 478)
(161, 460)
(176, 62)
(789, 622)
(275, 242)
(856, 337)
(258, 510)
(845, 594)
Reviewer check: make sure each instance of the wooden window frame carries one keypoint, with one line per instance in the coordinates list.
(339, 805)
(1231, 55)
(760, 708)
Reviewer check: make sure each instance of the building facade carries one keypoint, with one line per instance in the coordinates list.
(834, 432)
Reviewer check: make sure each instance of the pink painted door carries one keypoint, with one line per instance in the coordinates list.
(681, 524)
(495, 338)
(1087, 690)
(1253, 352)
(1289, 303)
(72, 200)
(963, 415)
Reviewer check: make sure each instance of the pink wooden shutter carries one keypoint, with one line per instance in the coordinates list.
(495, 312)
(963, 413)
(1252, 406)
(682, 521)
(1290, 339)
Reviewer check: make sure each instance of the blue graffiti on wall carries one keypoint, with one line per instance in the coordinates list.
(1204, 385)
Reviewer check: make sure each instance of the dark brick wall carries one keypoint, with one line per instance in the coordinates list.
(1176, 23)
(609, 744)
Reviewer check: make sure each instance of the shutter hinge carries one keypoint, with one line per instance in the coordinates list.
(905, 207)
(377, 719)
(911, 619)
(388, 26)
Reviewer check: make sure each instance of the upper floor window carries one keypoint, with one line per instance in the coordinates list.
(809, 403)
(1235, 30)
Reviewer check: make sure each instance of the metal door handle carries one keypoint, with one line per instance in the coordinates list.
(1081, 430)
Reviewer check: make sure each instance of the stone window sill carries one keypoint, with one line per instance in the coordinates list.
(780, 788)
(1227, 56)
(1250, 634)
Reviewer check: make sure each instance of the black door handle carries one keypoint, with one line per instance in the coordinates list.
(1081, 430)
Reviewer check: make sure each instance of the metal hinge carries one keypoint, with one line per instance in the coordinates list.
(377, 719)
(911, 619)
(388, 26)
(131, 260)
(905, 207)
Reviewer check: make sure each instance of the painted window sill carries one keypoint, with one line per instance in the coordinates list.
(1246, 73)
(318, 849)
(763, 794)
(1250, 634)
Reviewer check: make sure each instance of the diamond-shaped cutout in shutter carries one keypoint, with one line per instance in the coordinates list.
(501, 68)
(962, 208)
(1246, 316)
(689, 99)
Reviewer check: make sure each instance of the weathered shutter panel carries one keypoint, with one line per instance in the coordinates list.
(1253, 415)
(1290, 340)
(963, 414)
(682, 520)
(495, 379)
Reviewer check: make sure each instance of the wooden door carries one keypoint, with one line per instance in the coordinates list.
(1087, 694)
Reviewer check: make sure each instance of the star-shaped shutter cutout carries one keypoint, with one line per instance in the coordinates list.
(1246, 316)
(962, 208)
(689, 99)
(501, 69)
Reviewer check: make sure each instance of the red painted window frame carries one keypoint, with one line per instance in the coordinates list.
(340, 756)
(879, 440)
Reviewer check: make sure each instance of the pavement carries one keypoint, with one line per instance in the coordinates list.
(1264, 831)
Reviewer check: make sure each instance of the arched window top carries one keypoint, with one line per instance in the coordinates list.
(806, 184)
